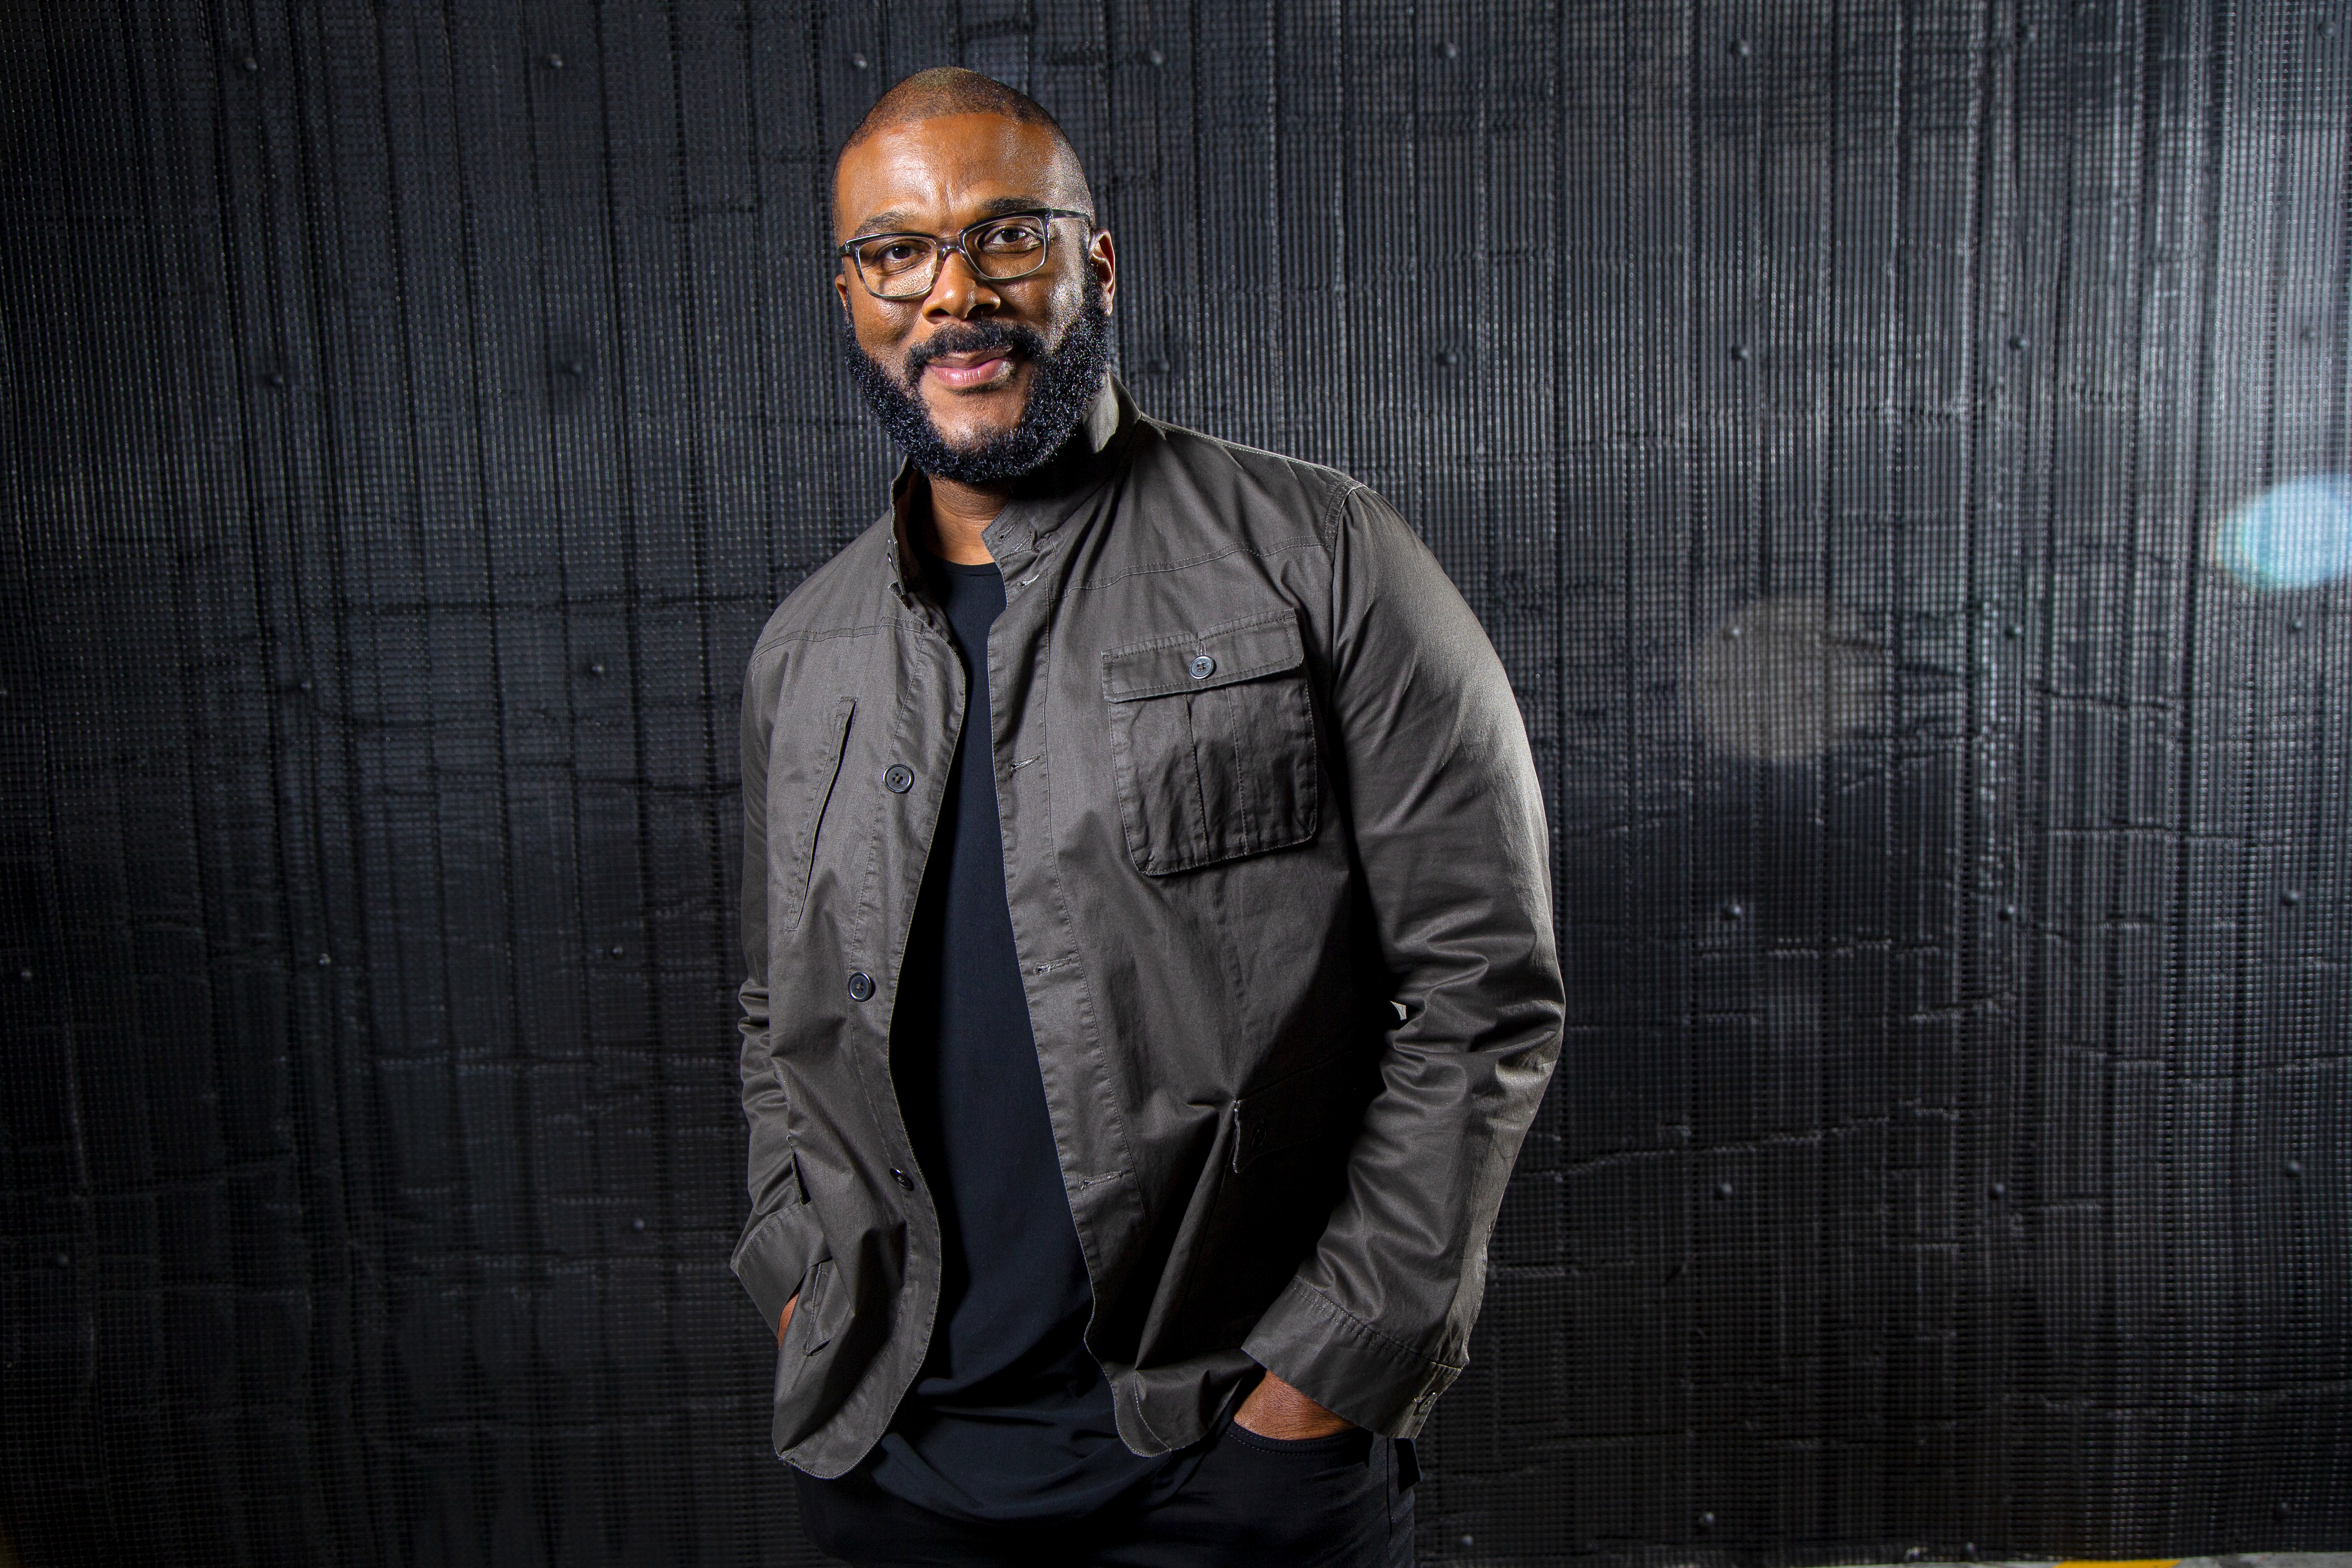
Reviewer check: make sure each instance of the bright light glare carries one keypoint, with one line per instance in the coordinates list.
(2295, 535)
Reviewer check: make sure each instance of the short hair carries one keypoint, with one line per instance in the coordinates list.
(951, 90)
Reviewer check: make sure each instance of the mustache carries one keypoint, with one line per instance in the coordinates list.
(972, 337)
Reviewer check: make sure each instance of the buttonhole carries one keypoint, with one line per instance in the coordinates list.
(1025, 761)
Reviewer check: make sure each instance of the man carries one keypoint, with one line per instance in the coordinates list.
(1151, 974)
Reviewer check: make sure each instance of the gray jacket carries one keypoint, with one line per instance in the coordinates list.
(1276, 857)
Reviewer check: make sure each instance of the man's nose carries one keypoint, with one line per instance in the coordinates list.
(958, 291)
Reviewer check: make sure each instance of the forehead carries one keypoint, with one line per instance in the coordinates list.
(936, 173)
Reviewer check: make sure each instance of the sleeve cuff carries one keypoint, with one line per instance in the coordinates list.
(1346, 1364)
(773, 1258)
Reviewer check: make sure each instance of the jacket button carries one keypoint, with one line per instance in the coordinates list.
(1203, 667)
(904, 1180)
(861, 986)
(899, 778)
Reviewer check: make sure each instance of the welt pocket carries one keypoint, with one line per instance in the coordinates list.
(813, 1325)
(1321, 1107)
(1285, 1169)
(1213, 744)
(800, 796)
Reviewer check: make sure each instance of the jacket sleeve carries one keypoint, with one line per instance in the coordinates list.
(1442, 799)
(780, 1237)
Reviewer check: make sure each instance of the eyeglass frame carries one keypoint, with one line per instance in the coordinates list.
(953, 245)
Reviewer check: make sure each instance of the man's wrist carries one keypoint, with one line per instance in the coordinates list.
(1275, 1409)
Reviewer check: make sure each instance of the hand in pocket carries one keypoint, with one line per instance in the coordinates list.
(1275, 1409)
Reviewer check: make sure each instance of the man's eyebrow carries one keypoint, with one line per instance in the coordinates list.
(896, 221)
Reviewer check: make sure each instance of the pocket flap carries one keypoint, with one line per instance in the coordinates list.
(1239, 650)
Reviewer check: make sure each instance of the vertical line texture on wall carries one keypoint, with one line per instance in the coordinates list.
(1902, 450)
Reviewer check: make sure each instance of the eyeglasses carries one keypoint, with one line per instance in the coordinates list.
(999, 249)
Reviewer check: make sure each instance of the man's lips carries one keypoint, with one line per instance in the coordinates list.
(964, 371)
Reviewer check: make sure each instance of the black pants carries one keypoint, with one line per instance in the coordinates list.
(1341, 1501)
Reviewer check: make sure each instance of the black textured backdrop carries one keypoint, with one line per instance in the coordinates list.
(1836, 411)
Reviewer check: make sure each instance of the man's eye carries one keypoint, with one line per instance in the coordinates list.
(895, 254)
(1011, 236)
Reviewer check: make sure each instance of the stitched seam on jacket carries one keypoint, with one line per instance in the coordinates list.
(1283, 617)
(1385, 1341)
(1201, 561)
(1327, 523)
(1090, 1026)
(779, 638)
(1332, 520)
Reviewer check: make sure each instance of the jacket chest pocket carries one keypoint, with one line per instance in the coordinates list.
(1213, 741)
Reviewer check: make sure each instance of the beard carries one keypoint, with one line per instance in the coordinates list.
(1062, 382)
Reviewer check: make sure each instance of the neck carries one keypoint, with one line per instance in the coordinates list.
(956, 518)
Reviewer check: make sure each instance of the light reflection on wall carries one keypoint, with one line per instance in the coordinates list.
(2293, 535)
(1783, 678)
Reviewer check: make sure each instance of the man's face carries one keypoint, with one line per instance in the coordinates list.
(953, 373)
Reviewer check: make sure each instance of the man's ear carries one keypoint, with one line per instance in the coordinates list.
(1104, 258)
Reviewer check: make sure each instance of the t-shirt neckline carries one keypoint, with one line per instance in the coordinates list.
(959, 568)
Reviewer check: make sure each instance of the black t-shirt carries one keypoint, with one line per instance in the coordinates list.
(1010, 1416)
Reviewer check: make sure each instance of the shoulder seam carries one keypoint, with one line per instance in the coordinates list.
(1324, 473)
(779, 638)
(1328, 523)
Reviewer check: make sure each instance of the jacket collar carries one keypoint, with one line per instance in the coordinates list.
(1042, 500)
